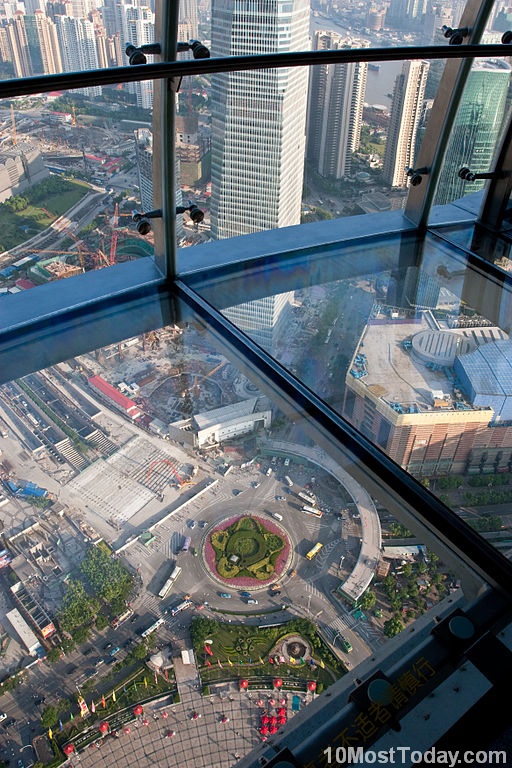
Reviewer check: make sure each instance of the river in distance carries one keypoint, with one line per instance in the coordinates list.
(380, 82)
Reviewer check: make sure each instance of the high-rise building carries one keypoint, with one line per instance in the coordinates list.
(476, 129)
(18, 45)
(258, 138)
(138, 28)
(78, 48)
(188, 21)
(406, 110)
(49, 44)
(335, 110)
(258, 118)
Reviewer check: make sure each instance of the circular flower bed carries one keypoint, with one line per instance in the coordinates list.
(247, 551)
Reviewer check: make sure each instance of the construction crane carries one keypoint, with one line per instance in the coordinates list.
(115, 233)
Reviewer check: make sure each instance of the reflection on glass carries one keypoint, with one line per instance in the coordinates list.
(476, 130)
(148, 483)
(70, 171)
(415, 354)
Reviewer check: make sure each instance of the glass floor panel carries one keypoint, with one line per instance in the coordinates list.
(179, 532)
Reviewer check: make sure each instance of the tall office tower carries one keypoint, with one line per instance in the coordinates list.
(138, 28)
(34, 47)
(18, 44)
(258, 118)
(49, 44)
(406, 109)
(476, 129)
(31, 6)
(335, 110)
(78, 48)
(188, 19)
(258, 137)
(57, 8)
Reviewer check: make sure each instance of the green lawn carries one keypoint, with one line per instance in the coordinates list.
(241, 649)
(16, 228)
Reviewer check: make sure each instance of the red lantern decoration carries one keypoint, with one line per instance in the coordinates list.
(103, 727)
(281, 720)
(260, 703)
(277, 683)
(137, 710)
(264, 730)
(165, 715)
(311, 686)
(273, 729)
(244, 684)
(273, 720)
(127, 730)
(145, 722)
(265, 719)
(281, 711)
(68, 749)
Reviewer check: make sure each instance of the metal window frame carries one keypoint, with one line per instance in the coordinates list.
(97, 297)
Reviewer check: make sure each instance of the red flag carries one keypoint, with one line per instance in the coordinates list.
(93, 707)
(271, 659)
(103, 701)
(208, 664)
(208, 650)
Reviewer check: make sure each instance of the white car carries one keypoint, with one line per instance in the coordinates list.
(2, 716)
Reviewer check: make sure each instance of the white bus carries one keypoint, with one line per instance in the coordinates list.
(170, 582)
(310, 501)
(312, 511)
(288, 481)
(181, 607)
(153, 627)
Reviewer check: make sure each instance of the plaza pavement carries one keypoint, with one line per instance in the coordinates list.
(202, 743)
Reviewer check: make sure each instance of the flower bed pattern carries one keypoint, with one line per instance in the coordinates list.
(255, 559)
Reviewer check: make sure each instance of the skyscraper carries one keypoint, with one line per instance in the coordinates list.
(476, 129)
(258, 118)
(258, 137)
(78, 48)
(335, 111)
(50, 53)
(408, 95)
(138, 28)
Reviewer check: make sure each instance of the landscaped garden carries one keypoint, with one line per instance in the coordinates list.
(259, 654)
(247, 550)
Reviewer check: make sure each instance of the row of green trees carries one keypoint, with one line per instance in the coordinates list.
(103, 583)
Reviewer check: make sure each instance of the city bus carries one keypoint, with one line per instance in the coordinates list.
(314, 552)
(153, 627)
(288, 481)
(123, 617)
(186, 544)
(170, 582)
(308, 499)
(312, 511)
(181, 607)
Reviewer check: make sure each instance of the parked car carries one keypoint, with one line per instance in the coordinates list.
(203, 524)
(115, 650)
(252, 601)
(2, 716)
(192, 524)
(107, 646)
(245, 594)
(225, 594)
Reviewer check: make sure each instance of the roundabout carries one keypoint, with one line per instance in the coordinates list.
(246, 551)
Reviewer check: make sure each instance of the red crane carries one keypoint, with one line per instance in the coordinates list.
(113, 242)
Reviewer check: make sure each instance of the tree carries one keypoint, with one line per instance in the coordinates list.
(77, 607)
(49, 717)
(393, 626)
(53, 655)
(368, 600)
